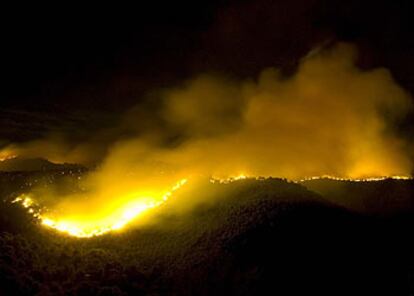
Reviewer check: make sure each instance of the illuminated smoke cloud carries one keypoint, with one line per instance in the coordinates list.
(329, 118)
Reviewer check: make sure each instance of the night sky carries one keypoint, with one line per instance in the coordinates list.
(207, 147)
(77, 69)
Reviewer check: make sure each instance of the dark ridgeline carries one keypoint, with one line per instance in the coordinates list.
(258, 238)
(383, 198)
(35, 164)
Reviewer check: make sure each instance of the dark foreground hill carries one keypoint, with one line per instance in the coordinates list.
(384, 197)
(34, 164)
(258, 238)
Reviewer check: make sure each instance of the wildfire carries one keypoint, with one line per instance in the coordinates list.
(229, 179)
(132, 207)
(323, 177)
(368, 179)
(117, 220)
(6, 155)
(27, 202)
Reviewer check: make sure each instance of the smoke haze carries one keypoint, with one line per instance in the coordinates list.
(329, 118)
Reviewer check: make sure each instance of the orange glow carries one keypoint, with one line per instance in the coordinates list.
(7, 154)
(329, 119)
(132, 207)
(368, 179)
(229, 179)
(328, 177)
(128, 209)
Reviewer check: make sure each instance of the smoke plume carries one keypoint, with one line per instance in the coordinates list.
(329, 118)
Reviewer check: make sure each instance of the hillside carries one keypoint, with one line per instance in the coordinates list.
(257, 237)
(384, 197)
(33, 164)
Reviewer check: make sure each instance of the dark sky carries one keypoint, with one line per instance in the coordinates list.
(66, 67)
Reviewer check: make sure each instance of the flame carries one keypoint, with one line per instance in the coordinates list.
(25, 200)
(134, 207)
(368, 179)
(230, 179)
(7, 154)
(322, 177)
(85, 228)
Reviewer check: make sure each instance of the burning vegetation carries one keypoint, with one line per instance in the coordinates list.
(5, 154)
(329, 119)
(113, 218)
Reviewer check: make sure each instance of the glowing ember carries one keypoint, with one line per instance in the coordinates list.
(368, 179)
(328, 177)
(4, 155)
(27, 202)
(116, 220)
(230, 179)
(132, 207)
